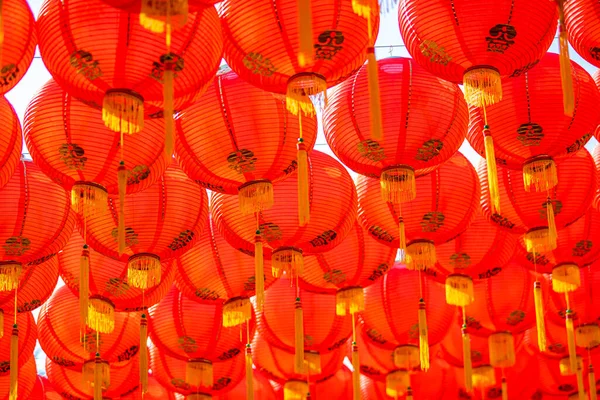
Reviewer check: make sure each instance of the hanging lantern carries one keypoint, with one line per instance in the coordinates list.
(27, 335)
(26, 381)
(11, 141)
(582, 20)
(263, 389)
(156, 391)
(18, 38)
(43, 389)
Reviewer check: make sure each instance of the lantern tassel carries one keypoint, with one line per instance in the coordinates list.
(199, 373)
(571, 340)
(303, 195)
(144, 353)
(259, 271)
(552, 235)
(492, 170)
(144, 270)
(122, 183)
(566, 77)
(423, 336)
(98, 378)
(539, 174)
(539, 315)
(89, 199)
(299, 338)
(468, 365)
(305, 51)
(101, 315)
(14, 363)
(355, 372)
(84, 286)
(580, 387)
(482, 86)
(375, 98)
(123, 111)
(592, 383)
(402, 239)
(409, 393)
(249, 377)
(255, 196)
(10, 272)
(1, 323)
(504, 389)
(168, 93)
(236, 311)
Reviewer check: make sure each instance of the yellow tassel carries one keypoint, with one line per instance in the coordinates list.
(199, 373)
(123, 111)
(492, 171)
(144, 353)
(101, 315)
(312, 361)
(571, 339)
(300, 87)
(482, 86)
(375, 102)
(580, 386)
(350, 299)
(305, 51)
(539, 240)
(122, 183)
(84, 285)
(355, 372)
(588, 336)
(484, 377)
(565, 366)
(299, 337)
(467, 362)
(407, 357)
(398, 184)
(144, 270)
(502, 350)
(198, 396)
(259, 271)
(420, 255)
(397, 382)
(1, 31)
(409, 394)
(459, 290)
(504, 389)
(249, 374)
(295, 390)
(566, 76)
(255, 196)
(89, 199)
(539, 174)
(288, 260)
(423, 337)
(89, 372)
(1, 323)
(364, 9)
(98, 378)
(14, 363)
(153, 14)
(236, 311)
(401, 239)
(168, 93)
(10, 271)
(303, 189)
(565, 278)
(592, 383)
(552, 233)
(539, 315)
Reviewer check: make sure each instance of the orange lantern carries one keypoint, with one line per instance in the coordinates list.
(582, 21)
(17, 47)
(27, 335)
(26, 382)
(11, 141)
(43, 390)
(556, 378)
(596, 156)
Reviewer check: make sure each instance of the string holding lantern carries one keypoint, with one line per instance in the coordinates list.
(415, 140)
(236, 140)
(506, 39)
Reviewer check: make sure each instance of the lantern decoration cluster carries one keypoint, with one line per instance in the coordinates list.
(306, 221)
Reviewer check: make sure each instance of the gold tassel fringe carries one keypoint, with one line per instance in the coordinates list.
(295, 390)
(482, 86)
(168, 94)
(101, 315)
(409, 394)
(552, 233)
(303, 185)
(89, 199)
(305, 35)
(566, 278)
(255, 196)
(355, 372)
(539, 240)
(14, 363)
(84, 286)
(144, 353)
(484, 377)
(249, 374)
(350, 299)
(420, 255)
(504, 389)
(122, 183)
(398, 184)
(396, 383)
(98, 378)
(566, 76)
(502, 350)
(592, 383)
(288, 260)
(300, 87)
(588, 335)
(539, 174)
(144, 270)
(312, 360)
(407, 357)
(153, 15)
(236, 311)
(299, 337)
(123, 111)
(89, 372)
(259, 272)
(423, 336)
(199, 373)
(10, 271)
(459, 290)
(580, 387)
(565, 366)
(402, 239)
(492, 170)
(374, 96)
(539, 315)
(467, 362)
(198, 396)
(571, 339)
(1, 324)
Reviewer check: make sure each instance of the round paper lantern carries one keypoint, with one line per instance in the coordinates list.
(108, 278)
(18, 43)
(332, 209)
(37, 282)
(213, 270)
(28, 334)
(156, 391)
(26, 382)
(105, 57)
(61, 337)
(477, 44)
(555, 379)
(172, 373)
(84, 154)
(36, 221)
(298, 48)
(261, 385)
(596, 156)
(43, 389)
(444, 207)
(11, 141)
(582, 21)
(71, 383)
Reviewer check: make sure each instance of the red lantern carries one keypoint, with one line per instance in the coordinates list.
(26, 382)
(36, 221)
(582, 21)
(43, 390)
(156, 391)
(338, 386)
(11, 141)
(299, 47)
(19, 38)
(263, 389)
(172, 373)
(596, 156)
(64, 344)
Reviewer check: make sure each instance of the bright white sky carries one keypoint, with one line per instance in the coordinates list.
(388, 44)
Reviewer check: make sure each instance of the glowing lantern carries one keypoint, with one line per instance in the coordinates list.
(11, 141)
